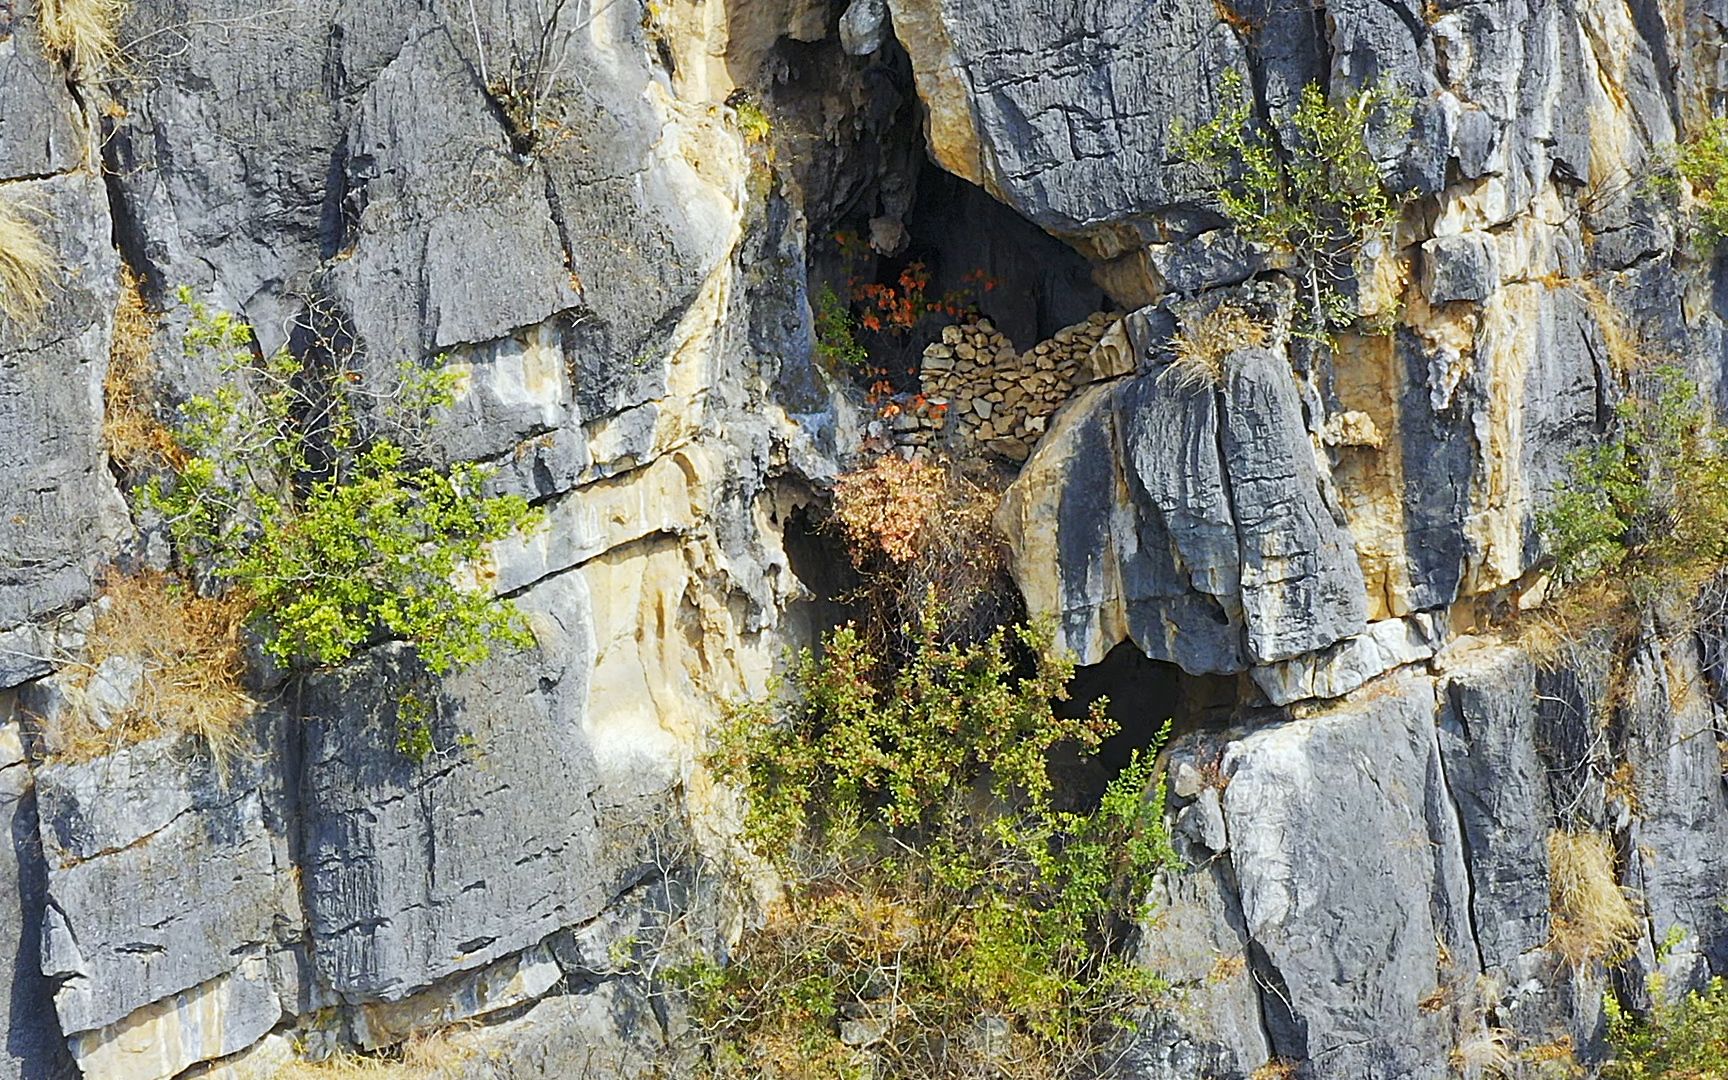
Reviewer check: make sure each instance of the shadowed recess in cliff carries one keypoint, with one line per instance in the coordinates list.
(1142, 694)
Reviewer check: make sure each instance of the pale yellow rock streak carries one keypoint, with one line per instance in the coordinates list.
(1369, 379)
(951, 129)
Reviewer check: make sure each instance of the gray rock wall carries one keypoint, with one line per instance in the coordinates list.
(623, 291)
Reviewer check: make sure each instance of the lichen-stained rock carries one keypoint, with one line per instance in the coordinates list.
(434, 201)
(30, 1044)
(1301, 584)
(60, 514)
(1488, 743)
(222, 158)
(1338, 669)
(1211, 1022)
(1071, 129)
(217, 1018)
(1189, 520)
(162, 878)
(613, 1030)
(40, 129)
(1353, 883)
(1675, 763)
(415, 870)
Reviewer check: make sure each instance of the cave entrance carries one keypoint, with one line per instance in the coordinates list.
(1142, 694)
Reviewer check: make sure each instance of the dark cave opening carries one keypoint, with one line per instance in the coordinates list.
(1142, 693)
(818, 558)
(871, 181)
(957, 229)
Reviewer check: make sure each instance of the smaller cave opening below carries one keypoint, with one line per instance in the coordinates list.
(1141, 694)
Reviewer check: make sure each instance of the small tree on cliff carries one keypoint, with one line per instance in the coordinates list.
(1315, 194)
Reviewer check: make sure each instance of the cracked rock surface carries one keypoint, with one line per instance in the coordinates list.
(1320, 547)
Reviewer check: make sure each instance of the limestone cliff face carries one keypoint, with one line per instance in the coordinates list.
(1366, 797)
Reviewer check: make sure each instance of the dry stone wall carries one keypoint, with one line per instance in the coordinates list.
(978, 393)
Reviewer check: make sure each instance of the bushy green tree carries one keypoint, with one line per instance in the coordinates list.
(1683, 1040)
(1651, 502)
(1317, 194)
(1703, 161)
(941, 913)
(328, 530)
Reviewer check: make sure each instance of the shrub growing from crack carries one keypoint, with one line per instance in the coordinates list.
(330, 532)
(942, 917)
(1647, 509)
(1703, 161)
(1685, 1039)
(1316, 194)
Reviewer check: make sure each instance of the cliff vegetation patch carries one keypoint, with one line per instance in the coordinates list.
(318, 518)
(1684, 1039)
(942, 916)
(915, 528)
(1592, 917)
(159, 659)
(1315, 194)
(1703, 162)
(83, 34)
(1645, 512)
(26, 264)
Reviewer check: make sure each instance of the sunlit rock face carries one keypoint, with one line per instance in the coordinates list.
(619, 271)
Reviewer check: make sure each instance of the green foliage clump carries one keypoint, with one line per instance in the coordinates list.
(837, 344)
(1317, 194)
(1650, 503)
(753, 122)
(1703, 161)
(943, 917)
(328, 530)
(1683, 1040)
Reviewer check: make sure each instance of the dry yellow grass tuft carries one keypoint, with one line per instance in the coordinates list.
(130, 429)
(1202, 345)
(425, 1056)
(26, 264)
(190, 659)
(1592, 916)
(84, 34)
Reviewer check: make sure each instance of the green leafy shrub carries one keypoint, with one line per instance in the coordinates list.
(837, 343)
(1318, 196)
(943, 917)
(1685, 1040)
(1703, 161)
(327, 530)
(1651, 502)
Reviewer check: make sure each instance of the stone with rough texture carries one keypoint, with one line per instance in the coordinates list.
(59, 512)
(417, 870)
(161, 878)
(40, 129)
(1351, 957)
(30, 1043)
(1195, 525)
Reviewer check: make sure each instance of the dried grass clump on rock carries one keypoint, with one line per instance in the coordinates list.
(1203, 344)
(26, 264)
(1593, 917)
(82, 33)
(189, 660)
